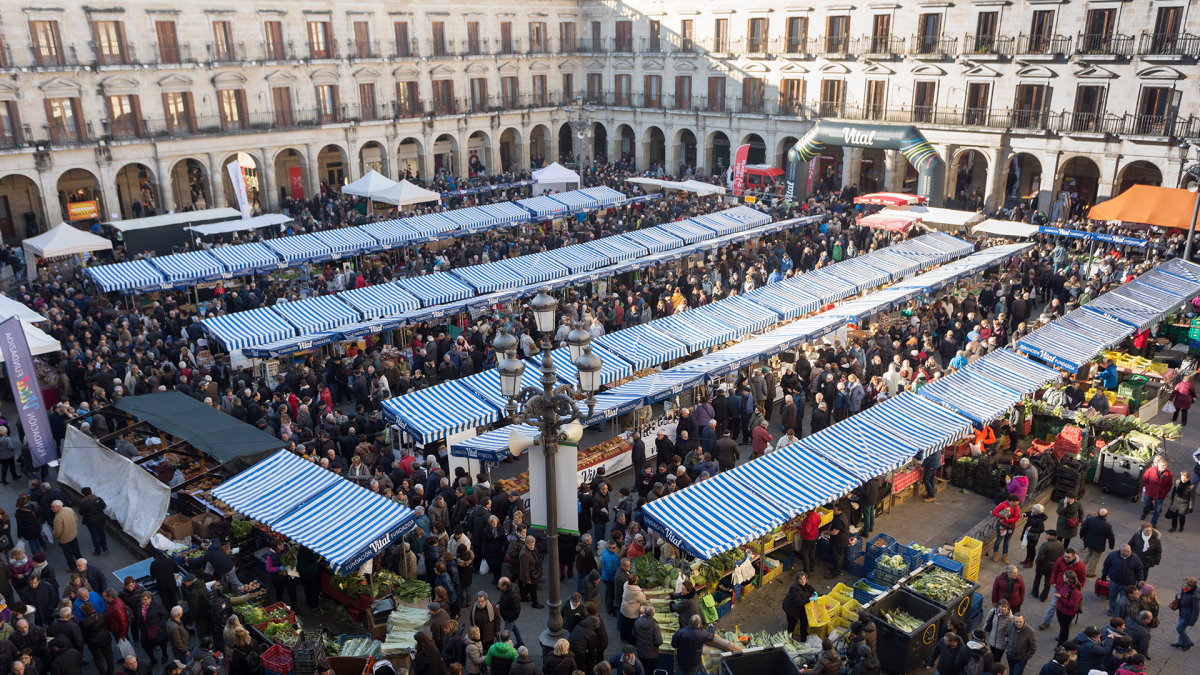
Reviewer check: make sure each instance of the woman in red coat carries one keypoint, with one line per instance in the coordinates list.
(1182, 398)
(1069, 597)
(1008, 512)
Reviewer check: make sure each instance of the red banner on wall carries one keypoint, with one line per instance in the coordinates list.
(739, 170)
(296, 182)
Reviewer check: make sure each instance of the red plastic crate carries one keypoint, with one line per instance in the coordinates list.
(291, 616)
(277, 659)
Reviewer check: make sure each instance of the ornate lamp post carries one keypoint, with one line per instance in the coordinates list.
(579, 116)
(1193, 172)
(550, 409)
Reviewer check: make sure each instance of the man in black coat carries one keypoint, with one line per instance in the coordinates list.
(43, 598)
(163, 571)
(945, 653)
(639, 455)
(30, 636)
(510, 608)
(66, 625)
(1097, 535)
(722, 411)
(727, 452)
(585, 644)
(67, 659)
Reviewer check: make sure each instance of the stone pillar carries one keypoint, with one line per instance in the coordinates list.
(425, 161)
(848, 154)
(166, 196)
(855, 171)
(1107, 187)
(947, 152)
(701, 154)
(889, 170)
(494, 161)
(50, 204)
(313, 184)
(108, 190)
(268, 191)
(353, 163)
(462, 167)
(997, 178)
(216, 175)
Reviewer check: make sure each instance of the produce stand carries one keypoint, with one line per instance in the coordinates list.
(948, 590)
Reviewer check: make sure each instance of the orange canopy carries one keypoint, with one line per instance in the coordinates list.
(1160, 206)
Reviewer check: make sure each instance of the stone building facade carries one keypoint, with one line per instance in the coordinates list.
(148, 102)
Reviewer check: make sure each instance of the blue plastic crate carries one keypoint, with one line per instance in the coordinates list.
(885, 576)
(925, 557)
(855, 549)
(864, 597)
(786, 559)
(737, 592)
(724, 603)
(912, 557)
(952, 566)
(977, 603)
(877, 545)
(860, 566)
(824, 551)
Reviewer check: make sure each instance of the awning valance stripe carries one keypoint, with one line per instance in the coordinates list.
(643, 346)
(300, 248)
(923, 423)
(190, 265)
(320, 313)
(379, 300)
(243, 258)
(126, 276)
(437, 288)
(252, 327)
(439, 411)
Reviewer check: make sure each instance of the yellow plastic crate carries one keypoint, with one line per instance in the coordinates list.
(841, 622)
(850, 609)
(968, 550)
(826, 515)
(832, 607)
(817, 613)
(841, 593)
(821, 630)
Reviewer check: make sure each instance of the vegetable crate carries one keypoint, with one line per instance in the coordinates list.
(724, 603)
(957, 607)
(877, 546)
(912, 557)
(862, 596)
(277, 660)
(926, 556)
(841, 593)
(786, 559)
(968, 551)
(291, 616)
(860, 566)
(850, 609)
(816, 613)
(826, 515)
(947, 564)
(886, 576)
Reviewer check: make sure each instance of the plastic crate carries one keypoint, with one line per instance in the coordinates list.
(855, 547)
(911, 556)
(291, 616)
(826, 515)
(278, 660)
(886, 576)
(952, 566)
(816, 613)
(860, 566)
(850, 609)
(841, 592)
(306, 654)
(925, 557)
(864, 597)
(968, 550)
(786, 558)
(877, 545)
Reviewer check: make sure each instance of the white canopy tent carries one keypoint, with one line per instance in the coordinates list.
(555, 178)
(39, 341)
(1005, 228)
(241, 225)
(63, 240)
(699, 188)
(949, 219)
(369, 185)
(179, 218)
(405, 193)
(10, 307)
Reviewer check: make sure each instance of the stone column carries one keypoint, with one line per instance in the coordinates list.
(1107, 187)
(268, 191)
(313, 184)
(947, 152)
(889, 169)
(848, 163)
(425, 161)
(216, 180)
(166, 196)
(997, 178)
(51, 207)
(353, 163)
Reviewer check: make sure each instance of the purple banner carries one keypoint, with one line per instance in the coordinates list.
(27, 392)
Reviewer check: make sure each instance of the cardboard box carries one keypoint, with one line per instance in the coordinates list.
(201, 522)
(177, 528)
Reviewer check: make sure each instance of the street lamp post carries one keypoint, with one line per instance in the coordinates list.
(579, 117)
(550, 409)
(1193, 182)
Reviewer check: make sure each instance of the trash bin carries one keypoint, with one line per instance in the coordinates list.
(900, 651)
(1121, 475)
(958, 607)
(759, 660)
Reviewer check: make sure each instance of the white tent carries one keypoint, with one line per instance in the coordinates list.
(241, 224)
(405, 193)
(555, 178)
(699, 188)
(369, 185)
(63, 240)
(951, 219)
(1005, 228)
(10, 307)
(39, 341)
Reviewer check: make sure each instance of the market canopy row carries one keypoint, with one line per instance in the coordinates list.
(182, 270)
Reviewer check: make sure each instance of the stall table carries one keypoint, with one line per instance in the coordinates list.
(357, 608)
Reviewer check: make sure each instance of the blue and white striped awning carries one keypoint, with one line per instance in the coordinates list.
(192, 266)
(1059, 347)
(486, 385)
(617, 248)
(1170, 283)
(643, 346)
(858, 277)
(946, 243)
(1013, 371)
(347, 241)
(690, 232)
(473, 219)
(574, 200)
(430, 224)
(490, 277)
(721, 226)
(718, 363)
(543, 207)
(1151, 296)
(320, 313)
(1182, 269)
(246, 258)
(578, 258)
(1095, 327)
(859, 448)
(1125, 308)
(923, 423)
(904, 265)
(660, 386)
(126, 276)
(492, 446)
(868, 268)
(795, 334)
(379, 300)
(915, 247)
(715, 515)
(792, 480)
(972, 396)
(760, 317)
(360, 330)
(603, 195)
(609, 406)
(300, 248)
(437, 288)
(440, 411)
(252, 327)
(535, 268)
(750, 216)
(612, 367)
(391, 233)
(653, 239)
(695, 329)
(788, 301)
(291, 345)
(506, 213)
(874, 303)
(335, 518)
(827, 288)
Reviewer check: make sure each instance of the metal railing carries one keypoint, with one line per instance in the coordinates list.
(510, 47)
(127, 57)
(410, 110)
(1088, 122)
(18, 138)
(718, 45)
(64, 58)
(929, 45)
(883, 44)
(403, 50)
(797, 45)
(1043, 44)
(166, 54)
(363, 49)
(652, 45)
(70, 134)
(833, 44)
(759, 46)
(1169, 44)
(329, 51)
(675, 44)
(591, 45)
(1001, 45)
(356, 112)
(278, 51)
(234, 52)
(477, 47)
(1111, 44)
(439, 49)
(124, 130)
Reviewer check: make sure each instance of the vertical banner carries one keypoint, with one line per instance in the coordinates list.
(739, 170)
(239, 187)
(812, 173)
(27, 392)
(296, 182)
(566, 468)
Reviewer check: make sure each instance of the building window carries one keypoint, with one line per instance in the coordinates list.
(986, 26)
(797, 35)
(473, 46)
(110, 42)
(686, 35)
(537, 37)
(47, 45)
(756, 36)
(1041, 30)
(875, 99)
(10, 123)
(320, 40)
(621, 93)
(595, 87)
(124, 116)
(509, 92)
(408, 99)
(1028, 108)
(1089, 109)
(924, 101)
(683, 92)
(281, 98)
(655, 45)
(479, 94)
(443, 97)
(179, 112)
(1154, 111)
(366, 101)
(597, 45)
(66, 120)
(222, 46)
(568, 87)
(327, 103)
(792, 91)
(506, 41)
(929, 27)
(979, 96)
(653, 91)
(833, 95)
(716, 93)
(624, 36)
(721, 35)
(566, 37)
(168, 44)
(753, 91)
(232, 103)
(362, 40)
(274, 44)
(403, 46)
(881, 34)
(438, 29)
(540, 96)
(837, 34)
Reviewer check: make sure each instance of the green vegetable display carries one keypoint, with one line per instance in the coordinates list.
(653, 574)
(279, 614)
(893, 562)
(414, 589)
(716, 567)
(903, 620)
(940, 586)
(255, 616)
(241, 528)
(865, 587)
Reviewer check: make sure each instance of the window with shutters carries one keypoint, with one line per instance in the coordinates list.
(66, 120)
(653, 91)
(232, 104)
(624, 36)
(320, 40)
(168, 43)
(10, 124)
(110, 42)
(756, 36)
(875, 99)
(716, 93)
(1089, 108)
(178, 111)
(408, 99)
(403, 46)
(506, 40)
(540, 96)
(721, 35)
(621, 92)
(509, 94)
(686, 35)
(1154, 109)
(753, 92)
(273, 47)
(683, 92)
(797, 35)
(222, 50)
(881, 34)
(1031, 98)
(47, 45)
(987, 25)
(537, 37)
(438, 30)
(979, 98)
(281, 101)
(327, 104)
(568, 87)
(929, 33)
(1041, 30)
(366, 101)
(792, 92)
(597, 40)
(837, 34)
(566, 37)
(479, 94)
(595, 87)
(924, 101)
(1166, 37)
(474, 48)
(362, 40)
(654, 44)
(443, 97)
(833, 95)
(124, 116)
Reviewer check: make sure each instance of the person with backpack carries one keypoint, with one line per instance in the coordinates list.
(242, 657)
(454, 648)
(974, 659)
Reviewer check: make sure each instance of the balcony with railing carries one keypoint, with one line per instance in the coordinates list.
(127, 56)
(678, 45)
(356, 112)
(402, 110)
(834, 46)
(1104, 44)
(1174, 45)
(883, 45)
(797, 47)
(440, 49)
(1088, 122)
(226, 53)
(509, 47)
(622, 45)
(652, 45)
(69, 134)
(14, 138)
(760, 47)
(166, 54)
(322, 51)
(278, 51)
(50, 59)
(476, 47)
(715, 45)
(983, 46)
(406, 49)
(1043, 45)
(363, 49)
(928, 47)
(591, 45)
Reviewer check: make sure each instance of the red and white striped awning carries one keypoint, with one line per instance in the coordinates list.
(889, 199)
(888, 222)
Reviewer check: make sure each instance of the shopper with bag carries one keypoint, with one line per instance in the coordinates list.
(1181, 399)
(1186, 602)
(1007, 513)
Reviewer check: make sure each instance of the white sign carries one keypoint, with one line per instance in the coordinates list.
(239, 187)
